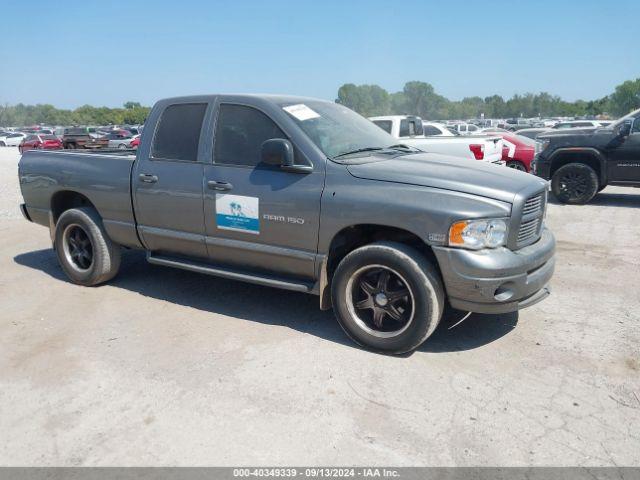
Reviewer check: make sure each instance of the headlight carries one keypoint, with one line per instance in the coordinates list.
(543, 144)
(477, 234)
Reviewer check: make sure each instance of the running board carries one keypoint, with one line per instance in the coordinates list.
(231, 274)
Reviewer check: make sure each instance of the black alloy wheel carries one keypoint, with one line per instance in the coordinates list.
(381, 299)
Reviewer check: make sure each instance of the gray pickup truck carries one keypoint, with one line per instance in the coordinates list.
(305, 195)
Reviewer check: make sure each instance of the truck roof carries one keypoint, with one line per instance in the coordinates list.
(275, 98)
(392, 117)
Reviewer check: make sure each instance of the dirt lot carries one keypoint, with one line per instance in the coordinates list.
(167, 367)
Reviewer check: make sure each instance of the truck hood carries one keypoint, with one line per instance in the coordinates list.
(598, 138)
(449, 173)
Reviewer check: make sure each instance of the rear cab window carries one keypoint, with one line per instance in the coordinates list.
(178, 134)
(410, 128)
(384, 125)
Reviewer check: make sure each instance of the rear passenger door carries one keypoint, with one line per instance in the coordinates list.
(258, 216)
(168, 183)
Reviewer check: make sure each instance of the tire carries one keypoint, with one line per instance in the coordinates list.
(81, 229)
(70, 146)
(575, 183)
(517, 165)
(2, 144)
(357, 303)
(122, 146)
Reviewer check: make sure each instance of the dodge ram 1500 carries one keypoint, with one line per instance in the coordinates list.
(305, 195)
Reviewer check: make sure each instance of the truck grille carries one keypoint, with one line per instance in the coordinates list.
(528, 229)
(532, 205)
(531, 219)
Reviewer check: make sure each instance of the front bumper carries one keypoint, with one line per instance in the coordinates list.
(498, 280)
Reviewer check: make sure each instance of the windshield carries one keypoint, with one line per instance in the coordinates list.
(632, 115)
(335, 129)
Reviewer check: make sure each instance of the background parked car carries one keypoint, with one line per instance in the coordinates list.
(40, 142)
(532, 133)
(576, 124)
(135, 142)
(432, 129)
(118, 139)
(12, 139)
(79, 137)
(517, 151)
(464, 129)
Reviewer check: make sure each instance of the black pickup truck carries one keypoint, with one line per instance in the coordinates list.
(80, 137)
(583, 162)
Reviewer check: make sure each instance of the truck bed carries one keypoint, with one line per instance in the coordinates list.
(458, 146)
(50, 178)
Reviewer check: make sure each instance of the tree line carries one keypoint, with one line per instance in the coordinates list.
(416, 98)
(420, 98)
(131, 113)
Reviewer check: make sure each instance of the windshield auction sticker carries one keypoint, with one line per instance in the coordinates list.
(238, 213)
(301, 112)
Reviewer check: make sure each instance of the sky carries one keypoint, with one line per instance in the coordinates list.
(104, 53)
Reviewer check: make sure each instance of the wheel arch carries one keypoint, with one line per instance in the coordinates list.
(587, 156)
(64, 200)
(354, 236)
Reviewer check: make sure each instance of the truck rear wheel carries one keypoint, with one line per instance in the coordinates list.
(85, 252)
(387, 297)
(575, 183)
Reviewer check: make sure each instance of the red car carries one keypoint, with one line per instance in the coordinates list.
(517, 151)
(40, 142)
(135, 142)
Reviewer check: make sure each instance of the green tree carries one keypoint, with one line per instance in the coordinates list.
(131, 105)
(367, 100)
(422, 100)
(626, 97)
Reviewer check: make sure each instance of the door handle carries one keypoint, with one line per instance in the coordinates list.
(220, 186)
(148, 178)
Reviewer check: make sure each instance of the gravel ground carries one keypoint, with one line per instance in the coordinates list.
(9, 189)
(166, 367)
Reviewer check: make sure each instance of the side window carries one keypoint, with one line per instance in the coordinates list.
(430, 130)
(178, 133)
(636, 126)
(384, 125)
(240, 133)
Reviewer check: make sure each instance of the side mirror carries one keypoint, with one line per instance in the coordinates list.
(625, 128)
(277, 151)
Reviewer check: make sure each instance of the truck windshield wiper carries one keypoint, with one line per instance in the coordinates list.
(401, 146)
(359, 150)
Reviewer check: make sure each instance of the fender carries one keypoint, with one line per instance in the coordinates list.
(594, 152)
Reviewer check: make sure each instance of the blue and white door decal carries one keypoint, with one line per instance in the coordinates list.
(238, 213)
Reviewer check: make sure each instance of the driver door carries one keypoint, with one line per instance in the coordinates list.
(624, 163)
(258, 216)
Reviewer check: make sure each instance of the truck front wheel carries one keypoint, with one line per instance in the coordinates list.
(575, 183)
(387, 296)
(85, 252)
